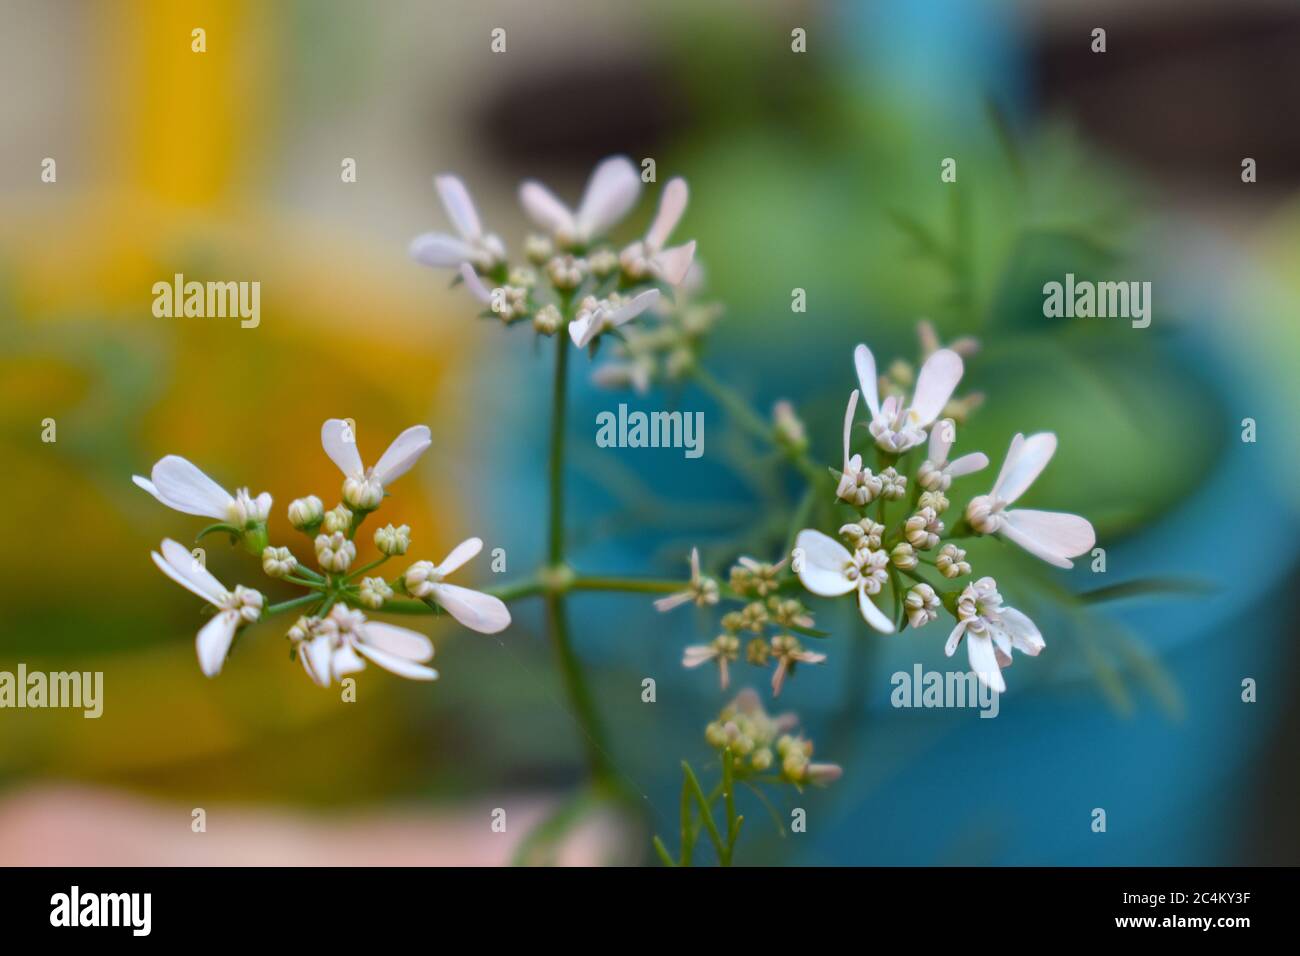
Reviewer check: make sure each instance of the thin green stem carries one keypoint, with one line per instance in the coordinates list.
(367, 567)
(289, 605)
(629, 585)
(753, 422)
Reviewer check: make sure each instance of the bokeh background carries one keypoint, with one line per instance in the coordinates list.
(817, 171)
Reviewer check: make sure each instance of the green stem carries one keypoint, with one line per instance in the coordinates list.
(753, 422)
(630, 585)
(367, 567)
(289, 605)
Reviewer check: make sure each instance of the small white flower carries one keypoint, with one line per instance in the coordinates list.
(474, 609)
(610, 195)
(332, 647)
(922, 605)
(897, 426)
(937, 472)
(183, 487)
(723, 649)
(234, 609)
(598, 315)
(334, 552)
(1051, 535)
(393, 541)
(306, 514)
(788, 652)
(648, 258)
(991, 631)
(363, 488)
(441, 250)
(858, 486)
(702, 590)
(829, 570)
(374, 592)
(278, 562)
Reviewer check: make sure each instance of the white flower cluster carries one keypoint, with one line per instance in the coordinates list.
(335, 638)
(880, 555)
(590, 286)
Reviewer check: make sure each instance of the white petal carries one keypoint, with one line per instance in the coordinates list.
(984, 662)
(440, 250)
(182, 486)
(675, 263)
(1026, 459)
(183, 568)
(954, 638)
(824, 559)
(583, 329)
(873, 615)
(695, 564)
(476, 610)
(632, 308)
(399, 641)
(1056, 531)
(544, 209)
(316, 657)
(345, 661)
(697, 654)
(466, 551)
(475, 285)
(941, 437)
(672, 203)
(340, 444)
(460, 208)
(213, 642)
(935, 385)
(673, 600)
(142, 482)
(968, 464)
(848, 425)
(1024, 633)
(398, 665)
(611, 193)
(405, 450)
(865, 363)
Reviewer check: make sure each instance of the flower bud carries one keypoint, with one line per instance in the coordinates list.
(547, 320)
(278, 562)
(537, 249)
(903, 556)
(306, 514)
(420, 578)
(982, 516)
(334, 552)
(393, 541)
(338, 520)
(362, 494)
(374, 592)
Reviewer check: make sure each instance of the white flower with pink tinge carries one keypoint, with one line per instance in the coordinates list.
(896, 426)
(857, 485)
(701, 589)
(647, 258)
(363, 488)
(471, 245)
(182, 486)
(480, 612)
(595, 316)
(991, 631)
(829, 570)
(937, 472)
(234, 608)
(611, 193)
(340, 643)
(1053, 536)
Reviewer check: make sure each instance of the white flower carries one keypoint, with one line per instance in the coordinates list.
(334, 552)
(610, 195)
(858, 485)
(333, 647)
(363, 488)
(896, 426)
(829, 570)
(723, 648)
(991, 631)
(1051, 535)
(648, 258)
(922, 605)
(597, 315)
(937, 472)
(476, 610)
(472, 245)
(234, 609)
(702, 590)
(181, 486)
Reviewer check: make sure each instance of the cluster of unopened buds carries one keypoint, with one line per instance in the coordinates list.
(760, 744)
(900, 528)
(335, 637)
